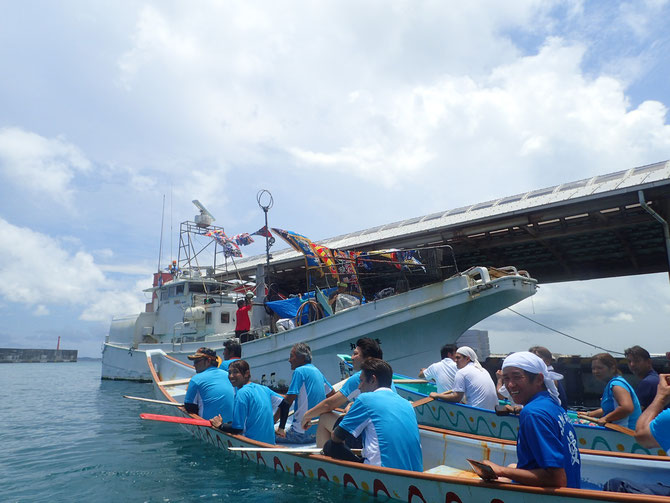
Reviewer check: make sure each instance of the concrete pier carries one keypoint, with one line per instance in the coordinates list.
(20, 355)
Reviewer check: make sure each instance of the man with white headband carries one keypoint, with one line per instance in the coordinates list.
(471, 380)
(547, 452)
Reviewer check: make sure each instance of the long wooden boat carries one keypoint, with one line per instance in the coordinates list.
(447, 477)
(467, 419)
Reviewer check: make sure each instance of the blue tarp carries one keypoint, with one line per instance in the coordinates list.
(289, 308)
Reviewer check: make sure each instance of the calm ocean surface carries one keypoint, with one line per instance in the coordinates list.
(65, 435)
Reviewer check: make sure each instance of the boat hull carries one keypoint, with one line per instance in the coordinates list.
(447, 478)
(410, 326)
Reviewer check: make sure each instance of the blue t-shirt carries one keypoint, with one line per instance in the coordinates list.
(608, 403)
(646, 388)
(310, 388)
(226, 363)
(350, 387)
(547, 439)
(253, 412)
(212, 392)
(660, 429)
(389, 428)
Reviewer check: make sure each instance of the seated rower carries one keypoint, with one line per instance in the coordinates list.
(308, 387)
(365, 348)
(546, 448)
(209, 391)
(471, 381)
(254, 406)
(385, 420)
(232, 350)
(444, 371)
(652, 430)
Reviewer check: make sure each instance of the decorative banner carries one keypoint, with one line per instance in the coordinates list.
(243, 239)
(301, 244)
(326, 258)
(230, 248)
(401, 260)
(263, 231)
(345, 260)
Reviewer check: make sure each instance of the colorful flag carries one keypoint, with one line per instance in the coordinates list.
(301, 244)
(243, 239)
(326, 258)
(265, 232)
(230, 248)
(345, 262)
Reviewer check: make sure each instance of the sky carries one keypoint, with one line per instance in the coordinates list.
(351, 113)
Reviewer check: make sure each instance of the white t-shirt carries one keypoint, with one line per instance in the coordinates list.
(443, 373)
(478, 387)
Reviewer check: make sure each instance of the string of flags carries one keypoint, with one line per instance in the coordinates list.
(231, 245)
(341, 265)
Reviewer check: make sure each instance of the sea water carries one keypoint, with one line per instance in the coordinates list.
(67, 436)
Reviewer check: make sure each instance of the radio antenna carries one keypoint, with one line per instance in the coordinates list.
(160, 246)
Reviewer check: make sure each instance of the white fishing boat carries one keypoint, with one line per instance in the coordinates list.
(190, 309)
(447, 475)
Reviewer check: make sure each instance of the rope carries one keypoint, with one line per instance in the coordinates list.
(563, 333)
(318, 311)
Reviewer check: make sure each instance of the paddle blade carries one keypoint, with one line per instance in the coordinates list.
(421, 401)
(175, 419)
(484, 471)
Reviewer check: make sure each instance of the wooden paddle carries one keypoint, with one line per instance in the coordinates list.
(174, 382)
(410, 381)
(611, 426)
(305, 450)
(422, 401)
(176, 419)
(164, 402)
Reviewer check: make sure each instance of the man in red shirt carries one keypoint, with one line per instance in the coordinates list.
(243, 324)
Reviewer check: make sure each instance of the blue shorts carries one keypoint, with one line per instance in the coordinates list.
(293, 437)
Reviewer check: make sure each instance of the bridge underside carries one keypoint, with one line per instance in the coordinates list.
(598, 239)
(597, 233)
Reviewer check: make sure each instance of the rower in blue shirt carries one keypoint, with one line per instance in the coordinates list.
(652, 430)
(254, 407)
(386, 421)
(547, 452)
(232, 350)
(209, 391)
(308, 387)
(365, 348)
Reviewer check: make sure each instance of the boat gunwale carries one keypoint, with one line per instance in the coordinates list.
(630, 455)
(561, 492)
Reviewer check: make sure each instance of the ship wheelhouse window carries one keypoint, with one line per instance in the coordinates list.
(225, 317)
(164, 294)
(180, 289)
(173, 291)
(208, 318)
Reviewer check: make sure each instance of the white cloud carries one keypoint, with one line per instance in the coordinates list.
(108, 304)
(350, 99)
(609, 313)
(35, 269)
(626, 317)
(538, 110)
(41, 165)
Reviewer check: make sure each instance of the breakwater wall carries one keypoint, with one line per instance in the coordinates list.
(20, 355)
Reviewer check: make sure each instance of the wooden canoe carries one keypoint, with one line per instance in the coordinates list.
(467, 419)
